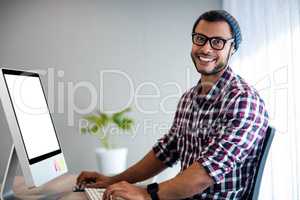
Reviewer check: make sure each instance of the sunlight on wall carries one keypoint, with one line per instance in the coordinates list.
(273, 73)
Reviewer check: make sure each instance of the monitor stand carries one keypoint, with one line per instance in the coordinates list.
(7, 192)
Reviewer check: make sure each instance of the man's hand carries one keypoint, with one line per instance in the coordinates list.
(125, 190)
(93, 180)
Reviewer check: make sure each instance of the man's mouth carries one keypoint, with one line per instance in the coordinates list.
(205, 59)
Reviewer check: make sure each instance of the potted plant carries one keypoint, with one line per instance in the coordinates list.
(110, 160)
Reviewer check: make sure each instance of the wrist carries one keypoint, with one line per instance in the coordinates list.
(114, 179)
(146, 195)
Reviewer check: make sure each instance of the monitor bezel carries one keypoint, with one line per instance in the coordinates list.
(31, 74)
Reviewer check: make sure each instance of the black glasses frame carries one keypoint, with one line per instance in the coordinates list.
(210, 39)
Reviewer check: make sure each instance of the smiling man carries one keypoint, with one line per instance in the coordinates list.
(217, 132)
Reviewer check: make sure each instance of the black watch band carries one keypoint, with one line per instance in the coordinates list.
(152, 189)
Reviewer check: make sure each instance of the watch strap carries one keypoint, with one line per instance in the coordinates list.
(152, 189)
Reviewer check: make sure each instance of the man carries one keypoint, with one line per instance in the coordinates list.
(217, 132)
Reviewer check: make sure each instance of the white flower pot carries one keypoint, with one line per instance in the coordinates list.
(111, 161)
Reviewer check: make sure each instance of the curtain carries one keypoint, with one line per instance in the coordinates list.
(269, 59)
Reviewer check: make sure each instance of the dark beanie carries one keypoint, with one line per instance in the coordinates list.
(222, 15)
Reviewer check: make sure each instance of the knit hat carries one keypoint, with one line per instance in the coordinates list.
(222, 15)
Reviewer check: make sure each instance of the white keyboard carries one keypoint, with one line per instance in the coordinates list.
(94, 193)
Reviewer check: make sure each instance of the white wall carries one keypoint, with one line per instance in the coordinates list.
(147, 40)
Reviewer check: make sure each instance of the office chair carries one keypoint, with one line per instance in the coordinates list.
(253, 192)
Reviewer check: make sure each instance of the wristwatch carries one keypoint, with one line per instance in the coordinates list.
(152, 189)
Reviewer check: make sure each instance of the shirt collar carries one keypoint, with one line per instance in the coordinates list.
(217, 87)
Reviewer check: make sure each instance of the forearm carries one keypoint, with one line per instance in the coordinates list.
(148, 167)
(191, 181)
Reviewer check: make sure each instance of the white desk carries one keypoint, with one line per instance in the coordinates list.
(59, 188)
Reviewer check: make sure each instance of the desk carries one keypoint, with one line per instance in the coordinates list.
(59, 188)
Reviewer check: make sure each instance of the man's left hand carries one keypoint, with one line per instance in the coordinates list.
(126, 191)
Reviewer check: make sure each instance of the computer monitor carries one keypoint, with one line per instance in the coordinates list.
(35, 143)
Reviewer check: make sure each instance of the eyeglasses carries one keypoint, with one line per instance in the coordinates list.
(216, 43)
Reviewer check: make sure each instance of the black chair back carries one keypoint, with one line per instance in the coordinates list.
(254, 190)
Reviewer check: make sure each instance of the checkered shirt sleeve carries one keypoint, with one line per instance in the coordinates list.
(243, 127)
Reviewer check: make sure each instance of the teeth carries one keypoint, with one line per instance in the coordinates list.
(206, 59)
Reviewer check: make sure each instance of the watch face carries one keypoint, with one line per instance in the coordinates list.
(152, 188)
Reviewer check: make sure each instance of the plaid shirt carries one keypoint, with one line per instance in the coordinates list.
(223, 131)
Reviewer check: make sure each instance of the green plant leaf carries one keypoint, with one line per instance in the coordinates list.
(98, 121)
(126, 124)
(93, 129)
(102, 120)
(83, 130)
(91, 118)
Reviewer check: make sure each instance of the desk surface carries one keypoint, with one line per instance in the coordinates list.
(59, 188)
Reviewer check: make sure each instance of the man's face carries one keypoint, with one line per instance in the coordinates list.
(206, 59)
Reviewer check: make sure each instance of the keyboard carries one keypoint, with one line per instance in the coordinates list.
(97, 193)
(94, 193)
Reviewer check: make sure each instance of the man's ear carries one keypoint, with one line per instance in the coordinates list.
(233, 51)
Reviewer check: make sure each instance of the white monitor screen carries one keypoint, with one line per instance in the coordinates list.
(33, 116)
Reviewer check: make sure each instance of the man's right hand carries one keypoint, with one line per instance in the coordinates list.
(93, 180)
(146, 168)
